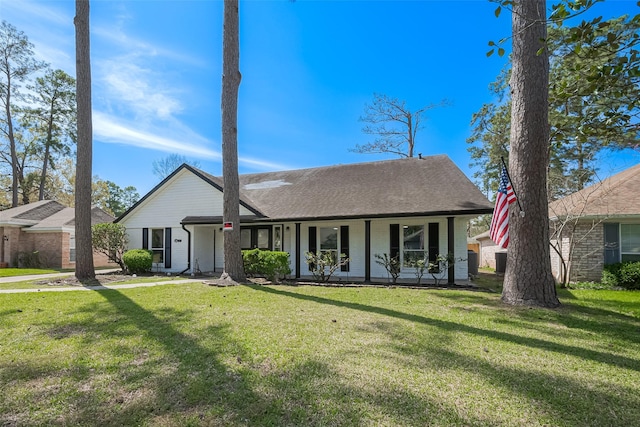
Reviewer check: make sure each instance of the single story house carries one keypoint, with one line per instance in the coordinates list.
(405, 207)
(46, 227)
(595, 226)
(487, 250)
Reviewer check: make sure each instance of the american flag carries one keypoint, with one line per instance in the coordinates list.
(499, 230)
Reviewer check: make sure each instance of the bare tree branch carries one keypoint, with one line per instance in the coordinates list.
(394, 125)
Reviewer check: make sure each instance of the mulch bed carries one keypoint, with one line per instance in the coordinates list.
(114, 278)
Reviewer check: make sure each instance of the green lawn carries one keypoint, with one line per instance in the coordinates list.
(178, 355)
(10, 272)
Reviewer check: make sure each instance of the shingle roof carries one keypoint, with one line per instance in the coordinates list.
(411, 186)
(614, 196)
(48, 214)
(427, 186)
(31, 213)
(66, 219)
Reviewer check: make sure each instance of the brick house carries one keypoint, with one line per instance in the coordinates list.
(47, 228)
(593, 227)
(487, 250)
(596, 226)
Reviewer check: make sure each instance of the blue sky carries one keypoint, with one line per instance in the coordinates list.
(308, 69)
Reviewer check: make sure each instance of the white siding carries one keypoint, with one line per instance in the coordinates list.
(203, 248)
(219, 247)
(380, 245)
(188, 195)
(184, 195)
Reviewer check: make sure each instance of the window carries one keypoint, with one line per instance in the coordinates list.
(630, 242)
(72, 247)
(263, 238)
(255, 237)
(157, 245)
(413, 244)
(329, 241)
(277, 238)
(245, 238)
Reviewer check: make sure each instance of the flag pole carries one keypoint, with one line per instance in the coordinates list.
(506, 169)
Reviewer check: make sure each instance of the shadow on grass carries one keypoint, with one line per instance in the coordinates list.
(174, 379)
(602, 403)
(611, 317)
(156, 370)
(178, 374)
(588, 354)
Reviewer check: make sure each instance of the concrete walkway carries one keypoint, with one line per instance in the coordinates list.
(100, 287)
(14, 279)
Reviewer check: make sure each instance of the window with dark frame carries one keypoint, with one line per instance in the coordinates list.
(157, 245)
(329, 241)
(630, 242)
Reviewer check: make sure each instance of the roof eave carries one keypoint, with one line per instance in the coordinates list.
(472, 212)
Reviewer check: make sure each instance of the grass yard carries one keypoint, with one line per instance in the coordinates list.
(178, 355)
(9, 272)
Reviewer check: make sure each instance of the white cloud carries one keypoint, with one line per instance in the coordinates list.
(141, 91)
(261, 164)
(118, 38)
(111, 130)
(32, 10)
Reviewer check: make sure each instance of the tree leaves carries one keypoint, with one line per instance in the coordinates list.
(593, 95)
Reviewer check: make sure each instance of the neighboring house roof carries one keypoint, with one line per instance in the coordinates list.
(30, 214)
(65, 219)
(615, 196)
(48, 215)
(482, 236)
(425, 186)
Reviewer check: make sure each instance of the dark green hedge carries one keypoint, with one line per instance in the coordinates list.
(623, 274)
(138, 260)
(273, 265)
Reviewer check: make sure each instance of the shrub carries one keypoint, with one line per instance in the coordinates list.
(419, 266)
(589, 286)
(273, 265)
(623, 274)
(391, 264)
(630, 275)
(324, 264)
(28, 260)
(111, 240)
(138, 260)
(251, 260)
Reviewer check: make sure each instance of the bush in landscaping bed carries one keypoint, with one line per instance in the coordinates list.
(591, 286)
(623, 274)
(138, 260)
(271, 264)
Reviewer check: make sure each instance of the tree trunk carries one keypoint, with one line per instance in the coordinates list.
(84, 248)
(528, 279)
(12, 145)
(233, 265)
(47, 154)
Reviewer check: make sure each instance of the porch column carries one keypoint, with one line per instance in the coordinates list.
(451, 241)
(297, 250)
(367, 250)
